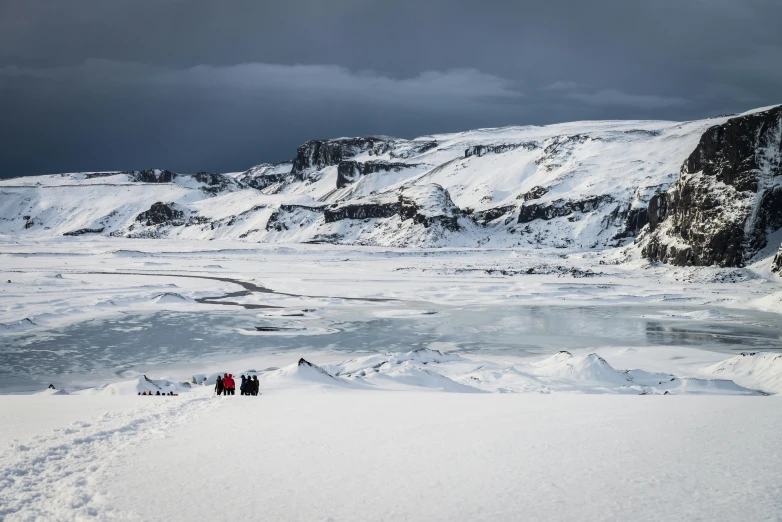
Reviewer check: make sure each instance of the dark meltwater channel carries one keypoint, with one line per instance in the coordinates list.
(100, 349)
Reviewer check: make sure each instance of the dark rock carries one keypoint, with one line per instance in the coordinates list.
(362, 210)
(92, 175)
(305, 363)
(630, 220)
(161, 214)
(727, 199)
(82, 231)
(152, 176)
(480, 150)
(215, 183)
(484, 217)
(776, 264)
(323, 153)
(441, 211)
(427, 205)
(535, 192)
(272, 329)
(560, 208)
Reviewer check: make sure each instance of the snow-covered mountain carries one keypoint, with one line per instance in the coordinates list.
(582, 185)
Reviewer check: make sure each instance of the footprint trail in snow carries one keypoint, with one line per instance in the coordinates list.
(60, 476)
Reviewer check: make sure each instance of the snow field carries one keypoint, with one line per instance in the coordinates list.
(360, 456)
(62, 476)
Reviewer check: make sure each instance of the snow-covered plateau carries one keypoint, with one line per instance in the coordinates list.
(571, 322)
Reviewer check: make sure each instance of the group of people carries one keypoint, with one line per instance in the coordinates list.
(169, 394)
(226, 385)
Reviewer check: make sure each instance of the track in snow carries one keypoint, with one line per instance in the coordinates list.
(60, 476)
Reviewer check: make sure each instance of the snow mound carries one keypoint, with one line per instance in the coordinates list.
(16, 326)
(408, 375)
(695, 386)
(145, 384)
(169, 298)
(425, 356)
(302, 373)
(504, 380)
(421, 356)
(758, 370)
(52, 391)
(591, 367)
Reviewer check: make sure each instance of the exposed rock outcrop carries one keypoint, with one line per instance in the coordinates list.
(215, 183)
(776, 264)
(484, 217)
(560, 208)
(362, 210)
(727, 199)
(264, 175)
(82, 231)
(480, 150)
(161, 214)
(152, 176)
(323, 153)
(280, 219)
(533, 193)
(349, 171)
(427, 205)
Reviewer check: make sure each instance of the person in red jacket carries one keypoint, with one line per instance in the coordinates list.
(230, 385)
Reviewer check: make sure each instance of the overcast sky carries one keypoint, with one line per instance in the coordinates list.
(220, 86)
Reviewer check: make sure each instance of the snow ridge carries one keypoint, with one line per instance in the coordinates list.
(577, 186)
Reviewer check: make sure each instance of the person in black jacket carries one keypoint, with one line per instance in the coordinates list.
(219, 386)
(256, 385)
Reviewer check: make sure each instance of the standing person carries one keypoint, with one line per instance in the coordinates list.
(256, 385)
(219, 386)
(243, 386)
(230, 385)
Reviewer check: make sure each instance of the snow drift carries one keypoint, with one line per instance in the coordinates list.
(759, 370)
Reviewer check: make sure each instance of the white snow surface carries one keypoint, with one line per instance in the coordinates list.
(364, 456)
(409, 435)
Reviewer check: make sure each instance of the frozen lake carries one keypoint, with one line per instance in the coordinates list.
(100, 350)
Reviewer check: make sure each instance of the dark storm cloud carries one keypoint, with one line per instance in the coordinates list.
(192, 85)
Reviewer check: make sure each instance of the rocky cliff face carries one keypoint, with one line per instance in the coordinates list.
(152, 176)
(317, 154)
(727, 199)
